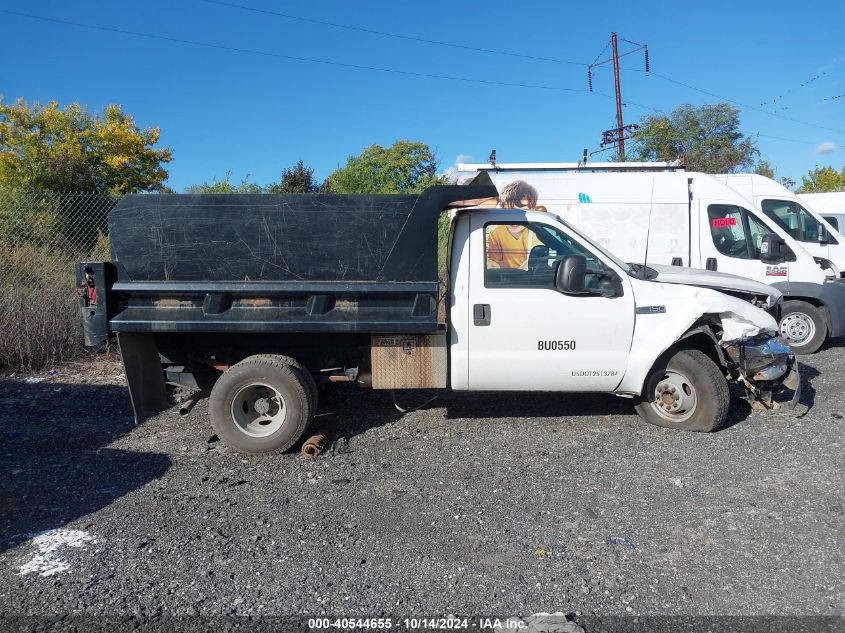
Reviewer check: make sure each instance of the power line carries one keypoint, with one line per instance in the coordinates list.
(508, 53)
(745, 105)
(788, 140)
(411, 38)
(312, 60)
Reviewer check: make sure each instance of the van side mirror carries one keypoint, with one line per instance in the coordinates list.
(823, 234)
(772, 249)
(570, 275)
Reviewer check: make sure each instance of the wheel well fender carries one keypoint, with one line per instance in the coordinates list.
(808, 292)
(702, 338)
(813, 302)
(699, 335)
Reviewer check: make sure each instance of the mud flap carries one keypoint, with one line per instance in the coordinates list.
(144, 376)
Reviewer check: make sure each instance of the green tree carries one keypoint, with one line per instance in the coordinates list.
(822, 180)
(707, 138)
(404, 167)
(297, 179)
(225, 186)
(764, 169)
(69, 149)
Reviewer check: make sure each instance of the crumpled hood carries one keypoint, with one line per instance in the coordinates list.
(714, 280)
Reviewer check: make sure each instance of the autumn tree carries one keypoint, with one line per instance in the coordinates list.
(69, 149)
(708, 139)
(404, 167)
(822, 180)
(296, 179)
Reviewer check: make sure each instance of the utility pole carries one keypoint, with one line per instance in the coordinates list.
(619, 127)
(617, 136)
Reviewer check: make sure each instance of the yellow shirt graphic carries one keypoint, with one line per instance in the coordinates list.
(506, 250)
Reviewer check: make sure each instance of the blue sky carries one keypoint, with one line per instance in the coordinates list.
(222, 110)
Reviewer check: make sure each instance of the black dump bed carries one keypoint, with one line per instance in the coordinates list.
(275, 263)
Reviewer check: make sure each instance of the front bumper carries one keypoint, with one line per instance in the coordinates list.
(767, 368)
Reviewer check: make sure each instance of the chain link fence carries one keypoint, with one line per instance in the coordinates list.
(42, 235)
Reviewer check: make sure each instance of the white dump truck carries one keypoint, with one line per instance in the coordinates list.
(261, 298)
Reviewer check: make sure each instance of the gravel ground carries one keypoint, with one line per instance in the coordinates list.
(506, 504)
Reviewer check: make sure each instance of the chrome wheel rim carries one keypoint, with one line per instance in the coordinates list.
(797, 328)
(674, 397)
(258, 410)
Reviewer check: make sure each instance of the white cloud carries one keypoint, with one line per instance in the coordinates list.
(451, 173)
(825, 148)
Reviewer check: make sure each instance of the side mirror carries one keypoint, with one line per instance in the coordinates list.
(772, 248)
(823, 234)
(571, 274)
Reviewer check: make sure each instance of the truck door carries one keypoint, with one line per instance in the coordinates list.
(730, 239)
(525, 335)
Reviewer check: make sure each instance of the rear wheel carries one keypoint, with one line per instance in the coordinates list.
(687, 391)
(803, 326)
(302, 370)
(260, 405)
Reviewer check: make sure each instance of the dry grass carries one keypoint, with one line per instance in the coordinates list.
(39, 315)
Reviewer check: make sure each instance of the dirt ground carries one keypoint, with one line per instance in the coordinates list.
(499, 504)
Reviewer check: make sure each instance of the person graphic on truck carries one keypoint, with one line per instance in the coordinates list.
(508, 245)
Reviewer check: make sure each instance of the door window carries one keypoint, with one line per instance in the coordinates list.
(792, 218)
(756, 231)
(525, 255)
(728, 230)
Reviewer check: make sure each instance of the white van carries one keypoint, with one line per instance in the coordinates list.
(830, 205)
(819, 237)
(683, 219)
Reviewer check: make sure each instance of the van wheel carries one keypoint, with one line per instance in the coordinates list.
(803, 326)
(686, 392)
(260, 405)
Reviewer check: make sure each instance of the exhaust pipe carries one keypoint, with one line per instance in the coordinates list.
(186, 407)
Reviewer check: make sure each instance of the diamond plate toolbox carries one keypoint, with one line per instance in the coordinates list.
(409, 361)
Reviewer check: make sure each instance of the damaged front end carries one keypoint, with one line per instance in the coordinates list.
(766, 366)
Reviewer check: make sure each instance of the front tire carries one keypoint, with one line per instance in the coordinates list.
(260, 405)
(687, 392)
(803, 326)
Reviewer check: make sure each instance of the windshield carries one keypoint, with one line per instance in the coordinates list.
(793, 218)
(610, 256)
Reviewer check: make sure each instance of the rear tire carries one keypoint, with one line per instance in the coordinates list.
(302, 370)
(687, 392)
(260, 405)
(803, 326)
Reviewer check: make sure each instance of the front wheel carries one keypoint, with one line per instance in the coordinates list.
(260, 405)
(802, 325)
(686, 392)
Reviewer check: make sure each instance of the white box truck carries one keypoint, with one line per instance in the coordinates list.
(667, 216)
(831, 205)
(264, 299)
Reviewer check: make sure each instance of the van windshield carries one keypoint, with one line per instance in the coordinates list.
(792, 218)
